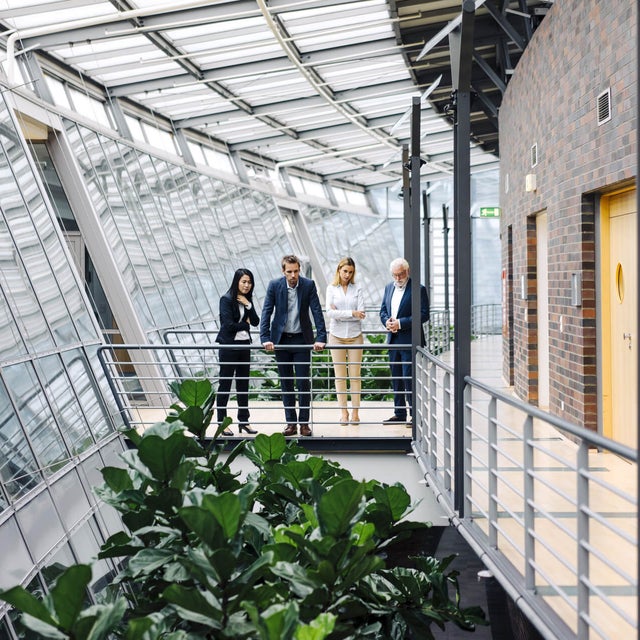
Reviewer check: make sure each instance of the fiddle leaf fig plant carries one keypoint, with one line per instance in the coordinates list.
(297, 550)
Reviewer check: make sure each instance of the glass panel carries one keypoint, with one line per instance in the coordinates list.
(62, 399)
(14, 281)
(102, 393)
(98, 178)
(368, 239)
(40, 526)
(70, 498)
(35, 414)
(18, 468)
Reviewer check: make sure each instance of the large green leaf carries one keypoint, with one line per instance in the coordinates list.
(163, 450)
(339, 506)
(22, 600)
(194, 393)
(227, 510)
(42, 629)
(317, 629)
(277, 622)
(194, 419)
(116, 478)
(147, 561)
(101, 619)
(203, 523)
(394, 497)
(295, 471)
(269, 447)
(69, 592)
(201, 607)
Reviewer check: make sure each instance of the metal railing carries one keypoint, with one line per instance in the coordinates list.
(550, 507)
(142, 387)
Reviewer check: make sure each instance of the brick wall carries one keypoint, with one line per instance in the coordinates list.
(581, 48)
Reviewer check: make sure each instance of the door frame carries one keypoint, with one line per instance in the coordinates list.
(604, 312)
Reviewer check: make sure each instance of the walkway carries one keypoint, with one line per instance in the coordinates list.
(557, 518)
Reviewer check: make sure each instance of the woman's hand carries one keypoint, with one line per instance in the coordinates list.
(356, 313)
(242, 299)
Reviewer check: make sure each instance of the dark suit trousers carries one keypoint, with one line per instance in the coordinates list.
(294, 369)
(400, 365)
(234, 362)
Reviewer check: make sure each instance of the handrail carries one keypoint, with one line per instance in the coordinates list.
(550, 507)
(141, 386)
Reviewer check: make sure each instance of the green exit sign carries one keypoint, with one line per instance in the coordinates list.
(489, 212)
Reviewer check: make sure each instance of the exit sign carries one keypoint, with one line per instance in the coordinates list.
(489, 212)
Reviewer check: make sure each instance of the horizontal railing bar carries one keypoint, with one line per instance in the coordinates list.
(594, 515)
(600, 593)
(563, 494)
(557, 589)
(591, 437)
(509, 512)
(609, 487)
(610, 565)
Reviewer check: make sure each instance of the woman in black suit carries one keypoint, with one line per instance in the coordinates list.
(237, 315)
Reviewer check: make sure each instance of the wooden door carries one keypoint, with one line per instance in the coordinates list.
(622, 341)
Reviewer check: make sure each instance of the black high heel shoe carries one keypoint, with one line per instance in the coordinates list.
(247, 428)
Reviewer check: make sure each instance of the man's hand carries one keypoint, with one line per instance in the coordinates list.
(393, 325)
(318, 346)
(268, 346)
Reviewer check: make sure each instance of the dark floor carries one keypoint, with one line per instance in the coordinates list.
(472, 590)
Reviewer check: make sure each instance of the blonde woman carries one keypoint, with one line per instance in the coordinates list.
(345, 310)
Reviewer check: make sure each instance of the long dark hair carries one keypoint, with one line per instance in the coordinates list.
(233, 289)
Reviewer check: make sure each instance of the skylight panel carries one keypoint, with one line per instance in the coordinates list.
(319, 12)
(137, 72)
(342, 38)
(218, 28)
(30, 14)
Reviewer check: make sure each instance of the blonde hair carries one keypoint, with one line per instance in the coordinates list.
(345, 262)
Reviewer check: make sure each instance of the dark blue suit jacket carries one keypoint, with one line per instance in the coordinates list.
(231, 321)
(275, 304)
(404, 313)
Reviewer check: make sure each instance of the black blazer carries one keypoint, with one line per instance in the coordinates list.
(404, 313)
(231, 321)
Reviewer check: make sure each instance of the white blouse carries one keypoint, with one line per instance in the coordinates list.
(339, 307)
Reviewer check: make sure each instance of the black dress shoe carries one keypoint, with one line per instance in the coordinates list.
(394, 419)
(291, 430)
(305, 430)
(245, 427)
(227, 432)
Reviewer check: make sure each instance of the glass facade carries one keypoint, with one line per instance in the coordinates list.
(173, 235)
(58, 423)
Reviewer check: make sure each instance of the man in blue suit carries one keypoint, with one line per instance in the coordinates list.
(291, 300)
(395, 314)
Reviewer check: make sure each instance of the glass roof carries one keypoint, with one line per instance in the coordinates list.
(317, 84)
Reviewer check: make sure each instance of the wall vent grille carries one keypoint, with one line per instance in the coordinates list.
(534, 154)
(604, 106)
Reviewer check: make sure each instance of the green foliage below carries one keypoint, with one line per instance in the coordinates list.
(296, 551)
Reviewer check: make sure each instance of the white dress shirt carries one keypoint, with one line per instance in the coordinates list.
(396, 299)
(342, 324)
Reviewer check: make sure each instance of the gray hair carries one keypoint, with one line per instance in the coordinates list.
(399, 263)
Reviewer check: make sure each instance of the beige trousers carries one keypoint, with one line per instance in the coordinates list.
(346, 364)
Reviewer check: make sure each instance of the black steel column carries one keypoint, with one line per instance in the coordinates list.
(416, 316)
(406, 203)
(426, 234)
(461, 47)
(445, 232)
